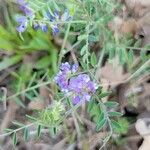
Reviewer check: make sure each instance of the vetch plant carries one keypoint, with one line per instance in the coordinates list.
(74, 88)
(77, 26)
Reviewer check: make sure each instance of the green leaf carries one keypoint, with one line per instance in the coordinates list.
(104, 94)
(90, 105)
(5, 44)
(143, 55)
(111, 104)
(34, 5)
(21, 37)
(115, 125)
(147, 46)
(131, 56)
(94, 110)
(111, 53)
(19, 102)
(84, 65)
(83, 50)
(44, 62)
(26, 134)
(14, 138)
(93, 59)
(55, 130)
(124, 124)
(39, 130)
(18, 123)
(122, 56)
(93, 38)
(37, 43)
(7, 62)
(29, 96)
(55, 5)
(7, 130)
(138, 43)
(82, 37)
(101, 124)
(129, 42)
(101, 121)
(31, 118)
(114, 114)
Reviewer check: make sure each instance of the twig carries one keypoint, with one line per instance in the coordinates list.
(132, 76)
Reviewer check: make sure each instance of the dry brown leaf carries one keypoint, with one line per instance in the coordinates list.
(144, 98)
(60, 144)
(129, 26)
(138, 7)
(121, 27)
(34, 146)
(92, 140)
(133, 3)
(144, 23)
(112, 74)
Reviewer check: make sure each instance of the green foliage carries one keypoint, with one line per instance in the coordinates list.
(14, 138)
(100, 114)
(7, 62)
(101, 121)
(39, 130)
(51, 116)
(25, 134)
(123, 126)
(89, 25)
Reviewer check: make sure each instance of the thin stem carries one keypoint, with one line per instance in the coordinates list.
(26, 126)
(63, 45)
(75, 120)
(29, 89)
(138, 48)
(61, 22)
(139, 70)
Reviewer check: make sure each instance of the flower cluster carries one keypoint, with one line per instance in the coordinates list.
(56, 18)
(23, 20)
(51, 19)
(79, 87)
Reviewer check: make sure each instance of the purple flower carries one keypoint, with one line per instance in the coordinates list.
(55, 29)
(24, 6)
(44, 27)
(56, 15)
(66, 16)
(55, 18)
(62, 80)
(23, 22)
(36, 26)
(65, 67)
(76, 99)
(79, 87)
(74, 68)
